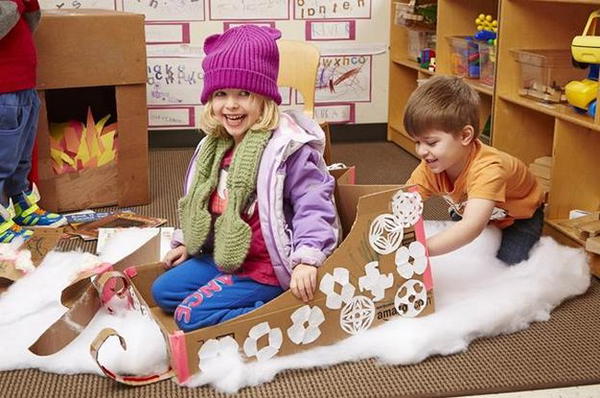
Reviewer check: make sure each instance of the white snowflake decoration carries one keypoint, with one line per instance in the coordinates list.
(411, 260)
(340, 276)
(385, 234)
(271, 349)
(213, 349)
(301, 334)
(407, 208)
(357, 315)
(374, 281)
(411, 298)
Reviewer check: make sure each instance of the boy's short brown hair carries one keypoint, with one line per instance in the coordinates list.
(444, 103)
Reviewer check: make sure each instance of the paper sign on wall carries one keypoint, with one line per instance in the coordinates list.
(171, 117)
(344, 78)
(332, 9)
(102, 4)
(167, 10)
(174, 81)
(248, 9)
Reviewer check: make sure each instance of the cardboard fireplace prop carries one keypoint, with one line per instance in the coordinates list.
(89, 75)
(380, 270)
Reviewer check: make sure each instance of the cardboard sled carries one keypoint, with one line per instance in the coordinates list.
(381, 270)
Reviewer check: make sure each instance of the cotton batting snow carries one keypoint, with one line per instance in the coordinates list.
(475, 295)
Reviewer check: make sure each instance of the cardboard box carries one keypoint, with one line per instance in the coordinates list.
(94, 50)
(380, 270)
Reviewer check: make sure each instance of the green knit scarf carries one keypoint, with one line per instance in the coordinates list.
(232, 234)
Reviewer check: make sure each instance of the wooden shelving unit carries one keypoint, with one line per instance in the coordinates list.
(522, 127)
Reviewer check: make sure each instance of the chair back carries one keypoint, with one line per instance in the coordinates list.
(298, 64)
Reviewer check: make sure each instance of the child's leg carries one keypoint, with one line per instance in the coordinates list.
(223, 298)
(21, 110)
(172, 287)
(518, 239)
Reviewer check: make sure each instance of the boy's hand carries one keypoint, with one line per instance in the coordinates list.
(304, 281)
(176, 256)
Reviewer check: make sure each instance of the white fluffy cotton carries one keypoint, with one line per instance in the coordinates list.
(475, 295)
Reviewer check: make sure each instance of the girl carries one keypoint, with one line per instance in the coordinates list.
(258, 215)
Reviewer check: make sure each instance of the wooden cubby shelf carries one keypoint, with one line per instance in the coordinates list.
(521, 126)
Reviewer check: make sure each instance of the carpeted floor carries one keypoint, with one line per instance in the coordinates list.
(561, 352)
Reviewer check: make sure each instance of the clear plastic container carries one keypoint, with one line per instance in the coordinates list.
(419, 40)
(544, 73)
(464, 56)
(487, 63)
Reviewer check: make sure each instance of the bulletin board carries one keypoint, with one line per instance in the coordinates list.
(352, 36)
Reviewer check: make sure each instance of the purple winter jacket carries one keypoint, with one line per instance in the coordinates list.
(297, 212)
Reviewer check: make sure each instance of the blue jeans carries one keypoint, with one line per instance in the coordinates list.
(19, 112)
(517, 239)
(200, 295)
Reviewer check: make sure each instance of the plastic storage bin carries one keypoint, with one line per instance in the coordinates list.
(487, 63)
(544, 73)
(419, 40)
(464, 56)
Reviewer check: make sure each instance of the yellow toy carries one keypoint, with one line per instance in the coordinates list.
(585, 49)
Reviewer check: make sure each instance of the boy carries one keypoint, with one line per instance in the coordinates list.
(19, 111)
(480, 183)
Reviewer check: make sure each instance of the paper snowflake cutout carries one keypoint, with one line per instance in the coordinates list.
(374, 281)
(313, 317)
(357, 315)
(407, 208)
(341, 276)
(411, 298)
(271, 349)
(411, 260)
(213, 349)
(385, 234)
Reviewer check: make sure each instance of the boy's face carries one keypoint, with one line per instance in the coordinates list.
(237, 110)
(445, 152)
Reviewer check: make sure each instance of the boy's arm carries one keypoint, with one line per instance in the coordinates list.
(475, 217)
(9, 16)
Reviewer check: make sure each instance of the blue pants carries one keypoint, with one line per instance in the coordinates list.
(517, 239)
(19, 112)
(200, 295)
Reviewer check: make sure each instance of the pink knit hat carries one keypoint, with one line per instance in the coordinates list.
(245, 57)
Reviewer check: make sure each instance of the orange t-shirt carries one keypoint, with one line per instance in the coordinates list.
(489, 174)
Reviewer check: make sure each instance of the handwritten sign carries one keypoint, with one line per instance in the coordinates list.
(332, 9)
(172, 117)
(174, 81)
(335, 113)
(344, 78)
(330, 30)
(167, 10)
(102, 4)
(248, 9)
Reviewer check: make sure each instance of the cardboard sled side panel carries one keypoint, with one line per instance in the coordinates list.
(358, 288)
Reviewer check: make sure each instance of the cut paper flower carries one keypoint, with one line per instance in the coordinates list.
(374, 281)
(407, 208)
(411, 260)
(411, 298)
(341, 276)
(215, 349)
(305, 324)
(357, 315)
(385, 234)
(275, 338)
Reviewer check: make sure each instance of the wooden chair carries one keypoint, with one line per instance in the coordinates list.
(298, 66)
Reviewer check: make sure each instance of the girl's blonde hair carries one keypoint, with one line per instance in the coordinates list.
(269, 119)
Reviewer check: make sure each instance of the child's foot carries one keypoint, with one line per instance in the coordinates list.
(28, 213)
(9, 230)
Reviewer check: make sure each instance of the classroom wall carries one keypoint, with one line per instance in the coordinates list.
(352, 36)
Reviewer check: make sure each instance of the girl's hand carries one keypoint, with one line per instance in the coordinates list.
(175, 256)
(304, 281)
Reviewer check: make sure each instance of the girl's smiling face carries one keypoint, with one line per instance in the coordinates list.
(237, 110)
